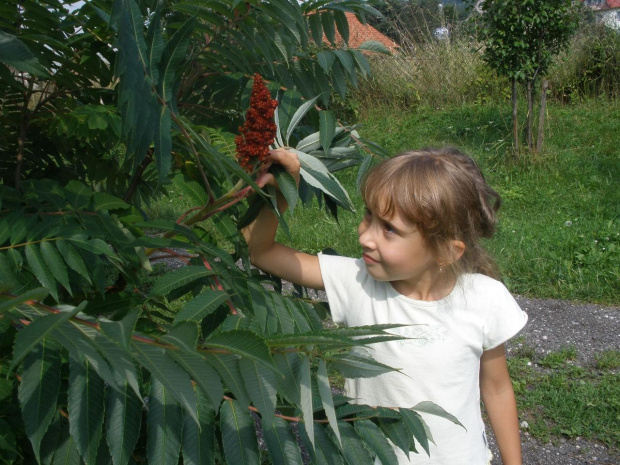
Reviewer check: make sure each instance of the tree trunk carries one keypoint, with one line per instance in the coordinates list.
(541, 115)
(530, 114)
(515, 120)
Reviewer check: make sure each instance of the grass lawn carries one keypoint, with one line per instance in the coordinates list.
(559, 231)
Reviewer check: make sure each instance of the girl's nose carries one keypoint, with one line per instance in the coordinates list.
(364, 234)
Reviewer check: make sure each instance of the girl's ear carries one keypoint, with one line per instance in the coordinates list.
(457, 249)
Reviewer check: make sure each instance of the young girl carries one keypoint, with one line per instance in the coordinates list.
(421, 266)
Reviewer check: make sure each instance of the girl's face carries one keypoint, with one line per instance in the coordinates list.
(395, 251)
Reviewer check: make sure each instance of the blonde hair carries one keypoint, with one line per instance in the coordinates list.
(444, 193)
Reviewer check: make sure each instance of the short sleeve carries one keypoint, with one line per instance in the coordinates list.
(341, 277)
(503, 319)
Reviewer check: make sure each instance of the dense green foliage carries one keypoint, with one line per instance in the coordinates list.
(105, 105)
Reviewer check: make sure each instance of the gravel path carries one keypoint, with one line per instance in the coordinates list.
(554, 324)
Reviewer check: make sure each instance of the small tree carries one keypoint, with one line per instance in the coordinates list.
(521, 38)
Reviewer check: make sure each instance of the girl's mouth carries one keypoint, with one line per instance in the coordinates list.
(368, 259)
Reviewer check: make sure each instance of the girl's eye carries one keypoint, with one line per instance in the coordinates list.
(388, 228)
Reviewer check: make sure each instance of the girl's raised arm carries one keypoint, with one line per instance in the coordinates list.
(269, 255)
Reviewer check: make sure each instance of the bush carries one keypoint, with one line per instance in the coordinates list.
(590, 67)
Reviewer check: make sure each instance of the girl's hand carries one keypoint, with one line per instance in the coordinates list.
(287, 159)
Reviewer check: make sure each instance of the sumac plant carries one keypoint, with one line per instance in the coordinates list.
(108, 355)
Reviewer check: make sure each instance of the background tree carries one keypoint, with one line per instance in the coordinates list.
(520, 40)
(104, 360)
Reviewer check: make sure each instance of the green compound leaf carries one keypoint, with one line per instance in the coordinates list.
(433, 409)
(227, 365)
(86, 408)
(55, 264)
(327, 399)
(178, 278)
(40, 270)
(34, 333)
(164, 426)
(305, 392)
(375, 440)
(172, 376)
(37, 294)
(260, 382)
(199, 441)
(123, 419)
(281, 443)
(201, 306)
(418, 427)
(15, 53)
(38, 391)
(244, 343)
(238, 434)
(353, 447)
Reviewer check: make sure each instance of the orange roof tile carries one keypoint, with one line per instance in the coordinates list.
(360, 33)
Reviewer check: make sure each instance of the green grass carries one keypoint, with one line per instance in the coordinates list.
(561, 399)
(559, 231)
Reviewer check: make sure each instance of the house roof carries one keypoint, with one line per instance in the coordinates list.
(602, 5)
(360, 33)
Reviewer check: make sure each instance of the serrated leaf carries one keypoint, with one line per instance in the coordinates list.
(398, 433)
(55, 265)
(326, 398)
(34, 333)
(342, 23)
(201, 306)
(305, 392)
(374, 46)
(66, 452)
(353, 447)
(73, 259)
(175, 380)
(227, 366)
(37, 294)
(178, 278)
(238, 434)
(164, 426)
(15, 53)
(96, 246)
(244, 343)
(85, 408)
(433, 409)
(324, 451)
(281, 443)
(327, 128)
(38, 391)
(329, 29)
(40, 270)
(358, 366)
(191, 189)
(375, 440)
(184, 336)
(123, 418)
(418, 428)
(260, 383)
(199, 442)
(78, 194)
(105, 201)
(120, 331)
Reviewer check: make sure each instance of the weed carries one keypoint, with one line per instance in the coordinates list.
(608, 360)
(559, 359)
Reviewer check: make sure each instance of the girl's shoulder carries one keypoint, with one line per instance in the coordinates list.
(483, 290)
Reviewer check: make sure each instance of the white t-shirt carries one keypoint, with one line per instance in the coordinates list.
(441, 360)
